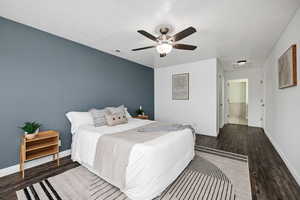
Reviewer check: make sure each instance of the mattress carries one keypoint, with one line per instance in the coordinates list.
(152, 166)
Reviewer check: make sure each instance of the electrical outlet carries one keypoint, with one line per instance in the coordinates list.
(59, 143)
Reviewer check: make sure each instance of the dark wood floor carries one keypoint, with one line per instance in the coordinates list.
(270, 178)
(12, 183)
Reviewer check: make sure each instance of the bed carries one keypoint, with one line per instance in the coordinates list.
(152, 165)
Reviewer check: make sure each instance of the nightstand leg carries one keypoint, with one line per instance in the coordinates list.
(22, 163)
(57, 159)
(22, 169)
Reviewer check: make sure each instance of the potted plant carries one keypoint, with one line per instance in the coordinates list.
(140, 111)
(31, 129)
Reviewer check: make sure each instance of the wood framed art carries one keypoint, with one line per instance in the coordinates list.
(180, 86)
(287, 68)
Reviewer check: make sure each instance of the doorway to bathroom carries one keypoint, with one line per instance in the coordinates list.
(238, 101)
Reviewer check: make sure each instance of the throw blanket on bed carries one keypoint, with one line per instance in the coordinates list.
(166, 128)
(113, 150)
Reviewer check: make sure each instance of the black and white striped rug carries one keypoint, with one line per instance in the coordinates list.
(212, 175)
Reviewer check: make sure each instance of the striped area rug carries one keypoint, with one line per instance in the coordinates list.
(212, 175)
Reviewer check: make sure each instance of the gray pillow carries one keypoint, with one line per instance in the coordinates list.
(98, 117)
(116, 110)
(115, 119)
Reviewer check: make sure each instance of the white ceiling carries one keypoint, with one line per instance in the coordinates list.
(227, 29)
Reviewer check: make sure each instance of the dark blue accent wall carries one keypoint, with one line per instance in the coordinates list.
(43, 76)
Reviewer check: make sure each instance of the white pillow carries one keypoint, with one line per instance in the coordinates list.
(128, 115)
(78, 119)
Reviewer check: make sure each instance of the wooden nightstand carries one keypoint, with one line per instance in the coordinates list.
(142, 117)
(44, 144)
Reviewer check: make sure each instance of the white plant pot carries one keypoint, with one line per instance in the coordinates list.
(32, 135)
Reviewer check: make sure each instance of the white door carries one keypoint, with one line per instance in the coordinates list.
(262, 104)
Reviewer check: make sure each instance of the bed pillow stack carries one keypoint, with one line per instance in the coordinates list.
(110, 116)
(98, 117)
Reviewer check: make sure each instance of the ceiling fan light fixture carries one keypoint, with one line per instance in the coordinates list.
(165, 43)
(164, 47)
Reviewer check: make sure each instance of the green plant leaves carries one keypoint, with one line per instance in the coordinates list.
(30, 127)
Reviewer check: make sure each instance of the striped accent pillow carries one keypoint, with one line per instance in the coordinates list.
(98, 117)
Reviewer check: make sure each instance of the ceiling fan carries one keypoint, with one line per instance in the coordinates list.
(165, 43)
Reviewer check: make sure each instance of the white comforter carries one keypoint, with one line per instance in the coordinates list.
(152, 165)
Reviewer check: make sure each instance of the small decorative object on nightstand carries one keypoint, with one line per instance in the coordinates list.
(141, 114)
(140, 111)
(44, 144)
(142, 117)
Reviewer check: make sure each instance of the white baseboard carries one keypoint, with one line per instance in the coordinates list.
(33, 163)
(284, 158)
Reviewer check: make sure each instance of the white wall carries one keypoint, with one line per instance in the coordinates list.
(201, 108)
(283, 106)
(255, 92)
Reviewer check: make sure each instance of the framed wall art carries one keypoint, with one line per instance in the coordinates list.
(180, 86)
(287, 68)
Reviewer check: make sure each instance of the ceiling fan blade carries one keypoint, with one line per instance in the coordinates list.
(184, 33)
(143, 48)
(162, 55)
(184, 47)
(148, 35)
